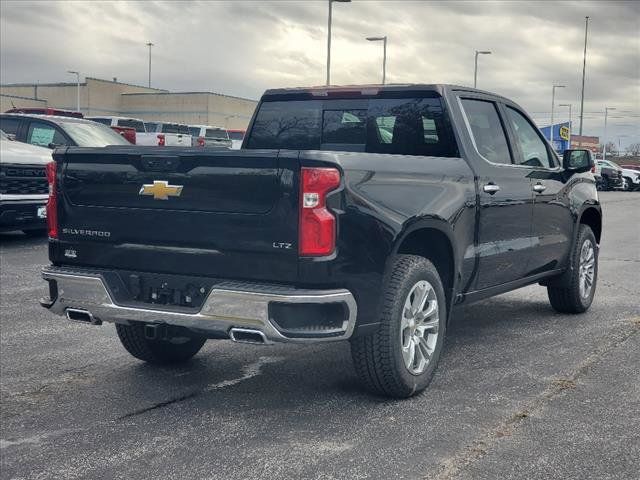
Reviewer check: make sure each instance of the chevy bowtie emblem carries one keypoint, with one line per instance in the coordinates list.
(161, 190)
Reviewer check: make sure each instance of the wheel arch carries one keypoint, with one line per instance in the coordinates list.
(433, 240)
(592, 217)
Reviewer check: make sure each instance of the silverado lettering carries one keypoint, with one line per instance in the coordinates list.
(405, 201)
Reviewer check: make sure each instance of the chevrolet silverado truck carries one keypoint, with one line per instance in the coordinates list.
(366, 214)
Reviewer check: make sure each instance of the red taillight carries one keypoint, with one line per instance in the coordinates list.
(317, 224)
(161, 140)
(52, 203)
(593, 169)
(201, 141)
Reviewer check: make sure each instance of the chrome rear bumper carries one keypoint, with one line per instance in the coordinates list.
(228, 305)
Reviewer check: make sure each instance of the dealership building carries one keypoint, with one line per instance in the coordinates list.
(110, 97)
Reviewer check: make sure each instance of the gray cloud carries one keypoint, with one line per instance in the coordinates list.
(243, 47)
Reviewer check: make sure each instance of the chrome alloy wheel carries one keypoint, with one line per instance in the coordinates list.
(419, 327)
(586, 270)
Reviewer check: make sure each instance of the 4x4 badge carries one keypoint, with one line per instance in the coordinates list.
(161, 190)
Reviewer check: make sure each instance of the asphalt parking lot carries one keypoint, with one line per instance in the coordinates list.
(521, 392)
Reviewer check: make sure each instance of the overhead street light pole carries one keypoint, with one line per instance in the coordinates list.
(329, 38)
(384, 54)
(149, 44)
(604, 141)
(553, 101)
(570, 120)
(475, 68)
(77, 74)
(584, 66)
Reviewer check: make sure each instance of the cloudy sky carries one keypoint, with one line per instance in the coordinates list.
(243, 47)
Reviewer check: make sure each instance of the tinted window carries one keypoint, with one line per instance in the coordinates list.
(137, 124)
(194, 131)
(487, 130)
(150, 126)
(103, 121)
(9, 125)
(44, 134)
(236, 135)
(344, 126)
(407, 126)
(216, 133)
(92, 135)
(534, 150)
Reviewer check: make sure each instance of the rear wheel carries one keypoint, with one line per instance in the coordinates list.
(575, 292)
(627, 185)
(170, 350)
(399, 359)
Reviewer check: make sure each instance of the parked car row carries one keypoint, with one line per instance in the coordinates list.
(611, 176)
(139, 132)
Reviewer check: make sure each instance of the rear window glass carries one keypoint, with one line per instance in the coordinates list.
(406, 126)
(137, 124)
(150, 126)
(216, 133)
(103, 121)
(92, 135)
(194, 131)
(236, 135)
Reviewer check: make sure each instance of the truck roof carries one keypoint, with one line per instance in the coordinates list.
(368, 90)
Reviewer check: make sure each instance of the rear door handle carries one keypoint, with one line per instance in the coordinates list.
(491, 188)
(539, 188)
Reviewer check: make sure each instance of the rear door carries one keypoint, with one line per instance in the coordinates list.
(506, 200)
(227, 214)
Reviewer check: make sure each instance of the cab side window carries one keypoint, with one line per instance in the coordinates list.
(44, 135)
(9, 125)
(487, 130)
(534, 149)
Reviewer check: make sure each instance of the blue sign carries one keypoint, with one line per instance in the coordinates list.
(561, 136)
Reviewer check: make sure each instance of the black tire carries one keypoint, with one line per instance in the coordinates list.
(564, 294)
(37, 232)
(605, 184)
(161, 351)
(628, 184)
(378, 357)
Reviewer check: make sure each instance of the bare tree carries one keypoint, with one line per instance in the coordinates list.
(633, 149)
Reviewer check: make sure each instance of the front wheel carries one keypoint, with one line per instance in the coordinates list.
(162, 351)
(575, 292)
(400, 358)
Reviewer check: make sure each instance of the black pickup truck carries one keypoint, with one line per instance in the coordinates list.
(362, 213)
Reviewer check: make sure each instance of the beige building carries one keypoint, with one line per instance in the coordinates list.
(104, 97)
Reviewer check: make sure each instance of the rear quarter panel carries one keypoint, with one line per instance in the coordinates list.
(383, 198)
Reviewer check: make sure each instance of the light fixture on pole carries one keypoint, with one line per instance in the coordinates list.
(149, 44)
(604, 140)
(584, 66)
(384, 54)
(553, 102)
(475, 68)
(570, 120)
(329, 38)
(77, 74)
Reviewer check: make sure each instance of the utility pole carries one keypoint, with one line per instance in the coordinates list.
(77, 74)
(384, 54)
(584, 65)
(149, 44)
(475, 68)
(553, 101)
(329, 38)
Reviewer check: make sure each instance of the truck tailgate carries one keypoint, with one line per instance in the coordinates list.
(214, 213)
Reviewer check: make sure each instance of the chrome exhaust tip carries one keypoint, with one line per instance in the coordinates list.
(82, 316)
(246, 335)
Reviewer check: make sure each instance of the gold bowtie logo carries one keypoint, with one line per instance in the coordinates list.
(161, 190)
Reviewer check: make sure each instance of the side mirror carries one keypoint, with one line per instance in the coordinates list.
(577, 161)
